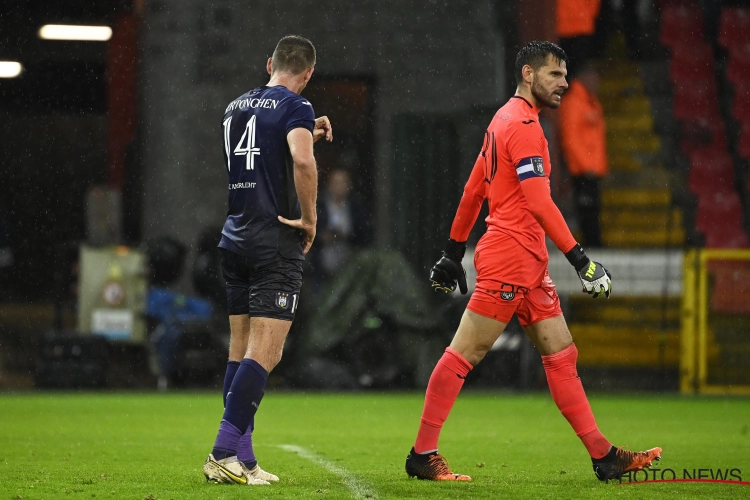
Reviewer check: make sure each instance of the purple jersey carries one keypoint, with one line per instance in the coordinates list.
(261, 172)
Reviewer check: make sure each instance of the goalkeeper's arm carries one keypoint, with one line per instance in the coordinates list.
(594, 278)
(471, 202)
(448, 271)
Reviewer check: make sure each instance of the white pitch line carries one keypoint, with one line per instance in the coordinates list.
(358, 489)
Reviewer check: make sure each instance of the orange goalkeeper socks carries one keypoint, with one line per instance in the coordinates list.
(569, 396)
(442, 390)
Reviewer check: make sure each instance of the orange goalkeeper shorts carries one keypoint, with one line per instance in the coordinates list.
(531, 305)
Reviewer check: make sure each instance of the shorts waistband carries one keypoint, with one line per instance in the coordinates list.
(508, 288)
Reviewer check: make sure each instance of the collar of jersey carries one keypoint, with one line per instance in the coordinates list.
(526, 101)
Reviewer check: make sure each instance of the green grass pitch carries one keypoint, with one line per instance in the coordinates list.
(152, 446)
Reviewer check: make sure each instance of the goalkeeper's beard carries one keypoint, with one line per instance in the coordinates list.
(543, 96)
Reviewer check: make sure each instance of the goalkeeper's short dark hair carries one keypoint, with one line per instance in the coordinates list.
(293, 54)
(535, 55)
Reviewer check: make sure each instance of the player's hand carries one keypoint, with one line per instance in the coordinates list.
(596, 280)
(322, 129)
(444, 275)
(448, 271)
(307, 228)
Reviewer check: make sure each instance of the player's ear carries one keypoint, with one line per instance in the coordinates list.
(528, 73)
(308, 74)
(269, 65)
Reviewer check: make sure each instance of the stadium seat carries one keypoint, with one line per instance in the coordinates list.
(683, 71)
(702, 133)
(711, 171)
(698, 52)
(741, 104)
(695, 100)
(719, 219)
(685, 74)
(680, 24)
(738, 64)
(727, 238)
(722, 265)
(731, 286)
(719, 208)
(743, 146)
(734, 26)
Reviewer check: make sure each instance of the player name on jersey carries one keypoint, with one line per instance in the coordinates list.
(252, 103)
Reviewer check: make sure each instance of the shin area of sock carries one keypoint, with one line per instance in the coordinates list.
(442, 390)
(567, 392)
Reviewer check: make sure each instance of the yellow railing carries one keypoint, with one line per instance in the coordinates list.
(698, 339)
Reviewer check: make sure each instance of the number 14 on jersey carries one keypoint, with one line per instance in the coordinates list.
(245, 146)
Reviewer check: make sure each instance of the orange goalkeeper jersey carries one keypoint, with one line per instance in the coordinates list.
(512, 172)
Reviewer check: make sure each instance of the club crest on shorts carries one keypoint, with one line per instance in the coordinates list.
(282, 300)
(537, 164)
(507, 295)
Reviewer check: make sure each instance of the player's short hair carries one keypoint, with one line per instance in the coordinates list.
(293, 54)
(535, 55)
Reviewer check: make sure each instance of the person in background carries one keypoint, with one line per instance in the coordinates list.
(168, 310)
(343, 224)
(576, 26)
(172, 311)
(583, 137)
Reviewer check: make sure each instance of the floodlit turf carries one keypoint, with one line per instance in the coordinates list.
(152, 446)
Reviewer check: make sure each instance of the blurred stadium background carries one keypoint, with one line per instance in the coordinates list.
(113, 194)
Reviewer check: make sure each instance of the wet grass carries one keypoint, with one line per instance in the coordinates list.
(152, 446)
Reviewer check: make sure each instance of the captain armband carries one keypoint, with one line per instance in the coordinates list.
(532, 166)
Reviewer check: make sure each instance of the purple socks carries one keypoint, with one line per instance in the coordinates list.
(232, 367)
(242, 395)
(245, 453)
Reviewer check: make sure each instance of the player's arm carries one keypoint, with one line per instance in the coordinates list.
(594, 278)
(305, 182)
(467, 212)
(448, 271)
(536, 190)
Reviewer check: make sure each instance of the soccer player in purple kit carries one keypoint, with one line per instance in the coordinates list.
(267, 138)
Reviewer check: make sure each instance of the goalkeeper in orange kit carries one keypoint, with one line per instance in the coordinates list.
(512, 173)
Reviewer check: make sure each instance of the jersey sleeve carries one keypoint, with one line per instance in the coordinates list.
(475, 192)
(301, 115)
(526, 148)
(543, 208)
(525, 140)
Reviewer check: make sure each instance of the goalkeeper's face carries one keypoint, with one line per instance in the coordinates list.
(549, 83)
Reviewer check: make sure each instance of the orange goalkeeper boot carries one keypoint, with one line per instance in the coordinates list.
(432, 466)
(618, 461)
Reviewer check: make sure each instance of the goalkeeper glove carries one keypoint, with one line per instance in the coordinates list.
(595, 279)
(448, 270)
